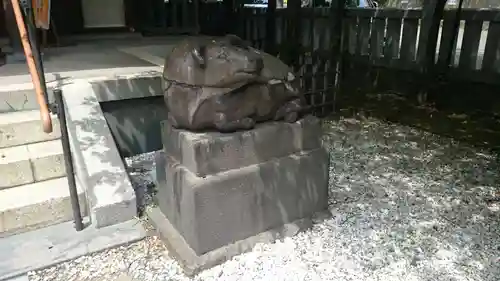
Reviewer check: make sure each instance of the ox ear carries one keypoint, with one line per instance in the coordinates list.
(237, 41)
(198, 54)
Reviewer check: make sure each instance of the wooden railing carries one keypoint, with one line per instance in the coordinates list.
(35, 75)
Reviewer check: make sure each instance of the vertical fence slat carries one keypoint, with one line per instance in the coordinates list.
(315, 23)
(334, 65)
(256, 34)
(377, 38)
(307, 26)
(196, 15)
(363, 44)
(351, 34)
(491, 57)
(391, 50)
(308, 66)
(446, 36)
(259, 32)
(263, 29)
(243, 19)
(293, 38)
(409, 40)
(279, 31)
(271, 25)
(323, 35)
(174, 10)
(250, 27)
(322, 28)
(185, 15)
(432, 12)
(470, 44)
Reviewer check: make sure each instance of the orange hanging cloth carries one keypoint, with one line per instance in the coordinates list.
(41, 10)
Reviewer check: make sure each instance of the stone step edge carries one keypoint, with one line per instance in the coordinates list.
(37, 205)
(25, 127)
(30, 163)
(15, 117)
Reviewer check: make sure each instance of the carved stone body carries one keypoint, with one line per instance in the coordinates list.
(225, 85)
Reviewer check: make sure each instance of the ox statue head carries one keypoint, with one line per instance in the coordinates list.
(220, 63)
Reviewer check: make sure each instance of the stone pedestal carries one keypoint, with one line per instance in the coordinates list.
(219, 194)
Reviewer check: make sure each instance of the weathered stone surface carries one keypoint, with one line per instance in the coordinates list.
(209, 153)
(225, 85)
(213, 62)
(220, 209)
(192, 263)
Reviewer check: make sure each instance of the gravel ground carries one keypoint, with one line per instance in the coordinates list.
(405, 205)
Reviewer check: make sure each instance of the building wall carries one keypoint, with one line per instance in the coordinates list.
(3, 31)
(67, 16)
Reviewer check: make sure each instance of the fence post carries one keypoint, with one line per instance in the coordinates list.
(450, 47)
(270, 43)
(229, 8)
(337, 8)
(432, 13)
(292, 46)
(196, 16)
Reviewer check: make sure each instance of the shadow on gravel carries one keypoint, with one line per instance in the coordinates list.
(415, 200)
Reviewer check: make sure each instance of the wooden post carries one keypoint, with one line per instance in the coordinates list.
(229, 11)
(196, 17)
(270, 44)
(432, 13)
(337, 8)
(449, 46)
(292, 49)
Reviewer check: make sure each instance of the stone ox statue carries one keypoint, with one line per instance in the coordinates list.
(225, 85)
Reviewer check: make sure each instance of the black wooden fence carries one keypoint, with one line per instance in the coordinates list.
(343, 53)
(308, 39)
(390, 38)
(384, 42)
(466, 64)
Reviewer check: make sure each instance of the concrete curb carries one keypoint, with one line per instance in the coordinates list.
(110, 84)
(130, 86)
(98, 166)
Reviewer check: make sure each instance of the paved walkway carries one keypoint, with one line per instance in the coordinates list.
(92, 57)
(44, 247)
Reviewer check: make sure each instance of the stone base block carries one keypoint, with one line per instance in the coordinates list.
(209, 153)
(193, 263)
(220, 209)
(219, 194)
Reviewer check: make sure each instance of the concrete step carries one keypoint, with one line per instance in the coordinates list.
(24, 127)
(36, 205)
(17, 93)
(30, 163)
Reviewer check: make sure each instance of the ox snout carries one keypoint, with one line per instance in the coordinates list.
(259, 64)
(255, 64)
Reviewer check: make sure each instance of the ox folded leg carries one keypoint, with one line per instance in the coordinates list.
(172, 121)
(223, 125)
(289, 111)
